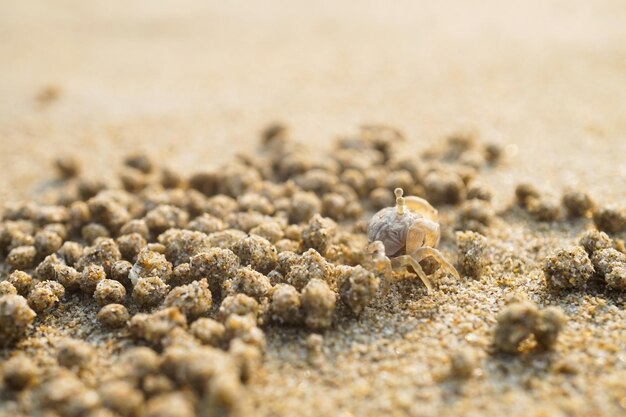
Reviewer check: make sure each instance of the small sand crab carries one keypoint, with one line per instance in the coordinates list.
(404, 235)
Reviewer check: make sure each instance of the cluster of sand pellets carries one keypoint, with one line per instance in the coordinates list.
(597, 260)
(574, 204)
(186, 275)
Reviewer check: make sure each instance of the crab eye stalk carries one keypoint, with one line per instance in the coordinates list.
(400, 203)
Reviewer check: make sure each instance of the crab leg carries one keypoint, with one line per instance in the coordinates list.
(424, 252)
(382, 264)
(408, 260)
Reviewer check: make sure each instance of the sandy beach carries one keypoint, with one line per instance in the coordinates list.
(193, 86)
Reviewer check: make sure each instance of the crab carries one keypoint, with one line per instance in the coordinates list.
(402, 236)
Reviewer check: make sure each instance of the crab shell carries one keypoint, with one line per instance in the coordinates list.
(392, 229)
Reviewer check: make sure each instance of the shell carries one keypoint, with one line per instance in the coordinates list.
(391, 228)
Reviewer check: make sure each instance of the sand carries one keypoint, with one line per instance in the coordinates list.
(192, 87)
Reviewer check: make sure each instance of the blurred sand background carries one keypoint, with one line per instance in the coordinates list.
(192, 83)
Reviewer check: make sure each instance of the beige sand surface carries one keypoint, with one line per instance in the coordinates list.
(192, 85)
